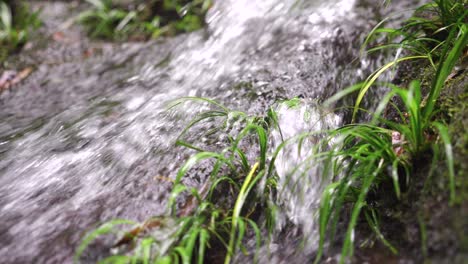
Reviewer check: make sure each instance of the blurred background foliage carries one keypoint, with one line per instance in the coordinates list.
(111, 20)
(16, 24)
(141, 20)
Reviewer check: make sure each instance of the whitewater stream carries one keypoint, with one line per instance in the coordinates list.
(85, 142)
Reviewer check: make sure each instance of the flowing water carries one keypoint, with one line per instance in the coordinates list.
(83, 142)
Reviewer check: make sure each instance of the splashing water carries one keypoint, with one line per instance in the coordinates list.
(301, 175)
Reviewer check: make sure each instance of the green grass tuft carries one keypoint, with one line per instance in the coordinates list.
(107, 20)
(369, 148)
(16, 25)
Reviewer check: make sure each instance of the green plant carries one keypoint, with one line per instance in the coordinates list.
(361, 160)
(233, 156)
(235, 159)
(15, 27)
(430, 34)
(368, 149)
(104, 21)
(202, 220)
(155, 18)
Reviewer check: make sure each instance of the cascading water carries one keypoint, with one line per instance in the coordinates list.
(85, 142)
(302, 177)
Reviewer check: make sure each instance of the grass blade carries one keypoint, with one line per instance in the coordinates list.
(236, 212)
(371, 80)
(446, 66)
(102, 230)
(443, 132)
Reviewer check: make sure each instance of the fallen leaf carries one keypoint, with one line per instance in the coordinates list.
(6, 78)
(22, 75)
(10, 78)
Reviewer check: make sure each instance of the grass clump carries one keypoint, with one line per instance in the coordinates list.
(378, 151)
(148, 19)
(16, 25)
(437, 31)
(203, 222)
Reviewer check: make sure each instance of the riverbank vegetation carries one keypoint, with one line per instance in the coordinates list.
(16, 24)
(143, 19)
(378, 148)
(381, 149)
(107, 20)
